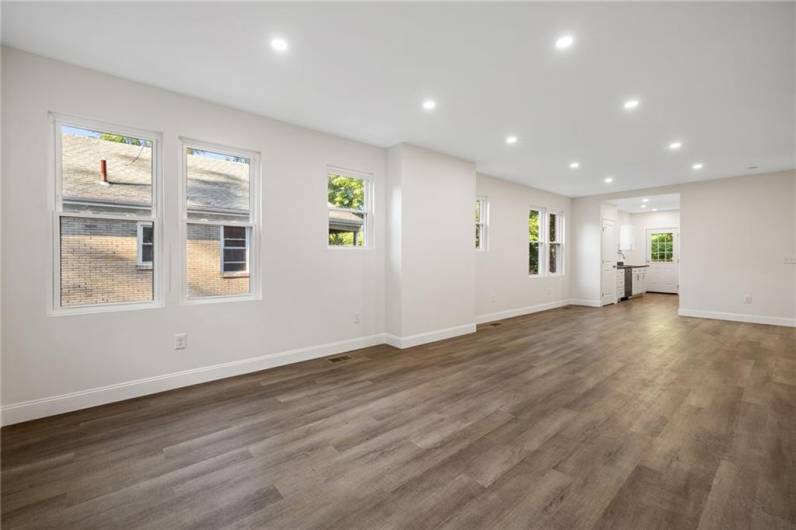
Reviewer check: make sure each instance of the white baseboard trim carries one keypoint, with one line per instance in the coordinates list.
(738, 317)
(49, 406)
(585, 302)
(510, 313)
(430, 336)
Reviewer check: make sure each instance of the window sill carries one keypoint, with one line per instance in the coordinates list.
(234, 274)
(342, 247)
(102, 308)
(221, 299)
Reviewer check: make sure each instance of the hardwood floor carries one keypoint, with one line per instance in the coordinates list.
(621, 417)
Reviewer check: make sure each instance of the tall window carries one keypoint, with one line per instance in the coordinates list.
(220, 218)
(349, 201)
(481, 223)
(555, 258)
(535, 242)
(106, 215)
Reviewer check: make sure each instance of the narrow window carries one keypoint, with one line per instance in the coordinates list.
(235, 251)
(220, 220)
(146, 244)
(481, 223)
(349, 203)
(106, 217)
(555, 247)
(535, 242)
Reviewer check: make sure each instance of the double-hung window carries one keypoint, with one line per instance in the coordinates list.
(536, 242)
(349, 199)
(555, 249)
(106, 218)
(481, 223)
(220, 220)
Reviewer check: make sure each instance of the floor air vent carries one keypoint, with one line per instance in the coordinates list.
(339, 359)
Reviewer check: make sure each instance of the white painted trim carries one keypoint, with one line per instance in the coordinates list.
(510, 313)
(738, 317)
(585, 302)
(430, 336)
(49, 406)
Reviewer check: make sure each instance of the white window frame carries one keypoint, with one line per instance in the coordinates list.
(55, 204)
(560, 240)
(483, 226)
(253, 224)
(368, 229)
(234, 274)
(140, 245)
(542, 242)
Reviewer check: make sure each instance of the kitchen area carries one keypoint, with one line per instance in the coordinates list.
(640, 247)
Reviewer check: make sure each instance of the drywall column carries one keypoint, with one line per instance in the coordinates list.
(430, 255)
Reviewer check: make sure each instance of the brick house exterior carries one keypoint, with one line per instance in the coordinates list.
(100, 261)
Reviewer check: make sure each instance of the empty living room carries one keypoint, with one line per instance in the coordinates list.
(405, 265)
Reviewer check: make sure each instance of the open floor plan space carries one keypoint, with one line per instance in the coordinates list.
(622, 417)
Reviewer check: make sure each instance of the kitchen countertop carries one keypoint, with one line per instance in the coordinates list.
(631, 266)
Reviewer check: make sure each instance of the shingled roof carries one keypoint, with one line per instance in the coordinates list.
(213, 184)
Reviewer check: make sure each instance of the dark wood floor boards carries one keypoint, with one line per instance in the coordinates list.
(621, 417)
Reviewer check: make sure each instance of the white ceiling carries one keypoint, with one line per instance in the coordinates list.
(718, 76)
(660, 203)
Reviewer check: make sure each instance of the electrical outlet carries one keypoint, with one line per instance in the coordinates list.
(180, 341)
(747, 299)
(355, 320)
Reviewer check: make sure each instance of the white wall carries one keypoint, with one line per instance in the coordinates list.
(309, 292)
(431, 258)
(751, 215)
(503, 287)
(641, 222)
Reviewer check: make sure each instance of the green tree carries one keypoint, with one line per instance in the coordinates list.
(346, 192)
(118, 138)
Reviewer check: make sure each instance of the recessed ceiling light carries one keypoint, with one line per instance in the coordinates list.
(278, 44)
(511, 140)
(631, 104)
(674, 146)
(564, 41)
(643, 205)
(574, 165)
(429, 104)
(645, 200)
(609, 180)
(654, 209)
(697, 166)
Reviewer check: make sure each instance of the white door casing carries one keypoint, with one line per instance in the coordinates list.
(663, 274)
(610, 246)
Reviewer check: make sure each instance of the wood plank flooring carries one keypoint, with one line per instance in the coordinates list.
(621, 417)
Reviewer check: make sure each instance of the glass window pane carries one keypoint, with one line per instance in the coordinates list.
(533, 225)
(533, 258)
(147, 232)
(346, 229)
(346, 192)
(203, 271)
(217, 185)
(553, 226)
(477, 211)
(101, 171)
(99, 263)
(234, 254)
